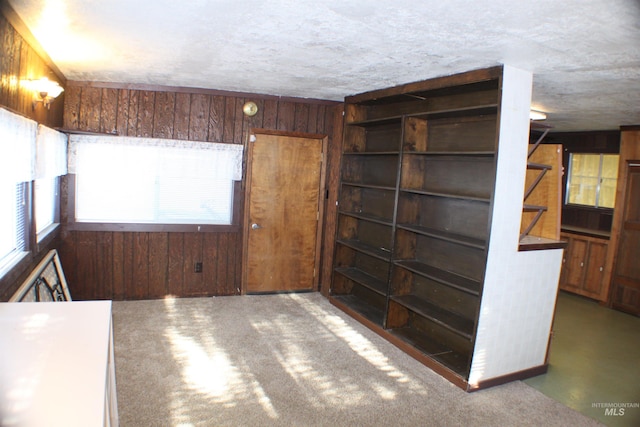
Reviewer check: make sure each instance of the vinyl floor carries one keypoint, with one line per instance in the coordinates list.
(594, 362)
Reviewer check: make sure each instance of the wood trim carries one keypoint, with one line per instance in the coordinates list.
(191, 90)
(474, 76)
(321, 218)
(515, 376)
(275, 132)
(629, 151)
(18, 24)
(333, 177)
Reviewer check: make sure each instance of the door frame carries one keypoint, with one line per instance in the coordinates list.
(247, 198)
(624, 172)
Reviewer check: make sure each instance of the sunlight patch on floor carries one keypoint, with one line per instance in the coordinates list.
(361, 345)
(298, 363)
(207, 369)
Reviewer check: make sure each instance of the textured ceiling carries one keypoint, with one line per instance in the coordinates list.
(585, 54)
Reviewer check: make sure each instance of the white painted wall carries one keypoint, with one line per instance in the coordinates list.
(520, 288)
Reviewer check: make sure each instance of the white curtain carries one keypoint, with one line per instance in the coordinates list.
(17, 147)
(196, 159)
(51, 153)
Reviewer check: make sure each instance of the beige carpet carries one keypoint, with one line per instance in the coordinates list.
(291, 360)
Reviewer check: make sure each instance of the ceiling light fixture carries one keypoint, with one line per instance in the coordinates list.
(537, 115)
(250, 108)
(45, 91)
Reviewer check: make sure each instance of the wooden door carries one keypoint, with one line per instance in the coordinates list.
(626, 273)
(595, 276)
(283, 211)
(575, 263)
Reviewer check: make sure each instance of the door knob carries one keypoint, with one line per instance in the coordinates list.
(255, 226)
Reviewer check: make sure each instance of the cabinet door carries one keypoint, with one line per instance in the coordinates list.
(575, 264)
(595, 276)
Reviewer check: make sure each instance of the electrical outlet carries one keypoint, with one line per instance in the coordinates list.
(198, 267)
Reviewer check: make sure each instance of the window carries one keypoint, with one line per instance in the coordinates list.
(51, 162)
(46, 194)
(17, 154)
(592, 180)
(153, 181)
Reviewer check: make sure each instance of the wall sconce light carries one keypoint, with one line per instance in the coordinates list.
(537, 115)
(45, 91)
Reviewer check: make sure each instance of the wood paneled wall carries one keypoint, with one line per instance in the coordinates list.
(22, 59)
(141, 265)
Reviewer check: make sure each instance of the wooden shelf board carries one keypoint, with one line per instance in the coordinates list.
(374, 187)
(367, 311)
(444, 318)
(376, 122)
(373, 283)
(530, 208)
(371, 153)
(366, 249)
(534, 243)
(455, 361)
(475, 110)
(365, 217)
(451, 153)
(445, 235)
(447, 278)
(449, 195)
(538, 166)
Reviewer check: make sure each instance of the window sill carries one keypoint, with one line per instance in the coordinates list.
(12, 262)
(151, 228)
(47, 235)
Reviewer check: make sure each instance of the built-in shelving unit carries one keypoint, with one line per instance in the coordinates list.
(416, 214)
(541, 209)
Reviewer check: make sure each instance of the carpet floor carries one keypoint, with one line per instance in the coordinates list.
(291, 360)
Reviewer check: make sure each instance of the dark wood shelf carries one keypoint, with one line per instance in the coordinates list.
(366, 310)
(379, 253)
(534, 243)
(364, 279)
(373, 187)
(441, 276)
(533, 208)
(451, 153)
(538, 166)
(475, 110)
(445, 235)
(376, 122)
(450, 195)
(457, 362)
(446, 319)
(371, 153)
(365, 217)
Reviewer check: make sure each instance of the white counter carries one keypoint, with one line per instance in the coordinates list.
(56, 364)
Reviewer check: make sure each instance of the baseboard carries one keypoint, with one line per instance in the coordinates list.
(514, 376)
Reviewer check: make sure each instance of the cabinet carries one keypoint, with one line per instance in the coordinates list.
(422, 195)
(584, 266)
(60, 370)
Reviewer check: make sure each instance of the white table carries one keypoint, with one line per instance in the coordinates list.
(57, 365)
